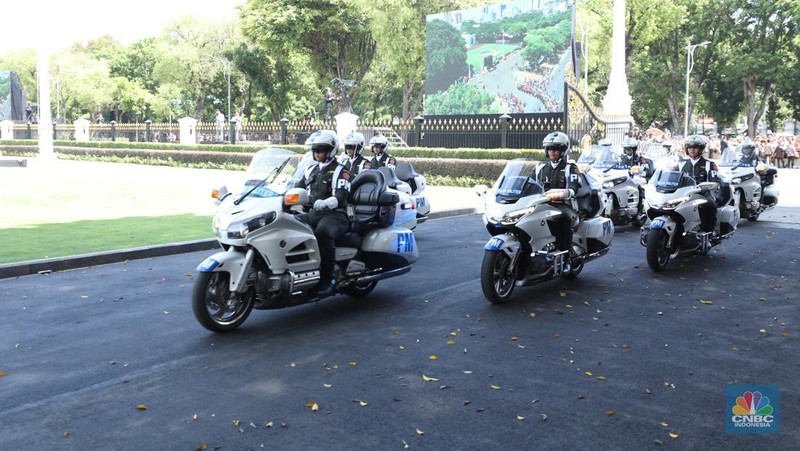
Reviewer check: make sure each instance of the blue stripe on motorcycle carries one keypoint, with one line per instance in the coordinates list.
(494, 244)
(208, 265)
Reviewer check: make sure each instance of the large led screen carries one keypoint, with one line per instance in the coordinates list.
(509, 57)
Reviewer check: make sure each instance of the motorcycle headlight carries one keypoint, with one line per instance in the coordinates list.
(608, 184)
(673, 203)
(513, 217)
(240, 229)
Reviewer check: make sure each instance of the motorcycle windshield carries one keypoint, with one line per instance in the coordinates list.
(516, 181)
(671, 181)
(270, 171)
(730, 157)
(606, 158)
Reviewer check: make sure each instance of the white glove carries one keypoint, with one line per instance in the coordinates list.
(320, 205)
(332, 202)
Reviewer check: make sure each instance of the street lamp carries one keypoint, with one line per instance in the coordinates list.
(689, 64)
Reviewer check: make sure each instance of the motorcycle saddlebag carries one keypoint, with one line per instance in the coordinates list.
(597, 232)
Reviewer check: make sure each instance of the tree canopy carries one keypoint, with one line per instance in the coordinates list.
(279, 55)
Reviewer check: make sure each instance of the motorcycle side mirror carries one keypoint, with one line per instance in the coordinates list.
(481, 190)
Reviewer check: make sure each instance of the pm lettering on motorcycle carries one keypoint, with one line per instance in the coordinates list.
(494, 244)
(608, 227)
(405, 242)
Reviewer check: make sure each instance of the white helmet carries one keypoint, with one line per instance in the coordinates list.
(379, 140)
(605, 142)
(630, 145)
(354, 139)
(556, 140)
(324, 141)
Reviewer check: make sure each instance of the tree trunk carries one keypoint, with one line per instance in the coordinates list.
(754, 108)
(674, 117)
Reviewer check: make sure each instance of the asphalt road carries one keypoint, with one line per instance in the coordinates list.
(81, 350)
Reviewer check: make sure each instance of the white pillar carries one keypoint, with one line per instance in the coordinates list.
(7, 130)
(617, 102)
(188, 130)
(82, 130)
(345, 123)
(45, 125)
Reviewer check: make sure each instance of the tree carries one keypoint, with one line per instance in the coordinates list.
(765, 33)
(463, 98)
(447, 56)
(334, 35)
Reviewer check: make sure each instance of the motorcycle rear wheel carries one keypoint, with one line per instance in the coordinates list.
(657, 251)
(497, 281)
(215, 306)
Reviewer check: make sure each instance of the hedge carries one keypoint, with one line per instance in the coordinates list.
(400, 152)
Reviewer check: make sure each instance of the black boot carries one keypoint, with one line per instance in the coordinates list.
(326, 280)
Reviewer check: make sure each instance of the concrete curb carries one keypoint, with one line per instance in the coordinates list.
(47, 265)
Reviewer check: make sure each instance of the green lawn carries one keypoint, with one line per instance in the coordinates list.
(475, 56)
(40, 241)
(70, 208)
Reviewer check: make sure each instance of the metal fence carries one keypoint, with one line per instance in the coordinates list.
(487, 131)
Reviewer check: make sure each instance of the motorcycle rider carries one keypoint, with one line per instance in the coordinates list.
(328, 183)
(702, 170)
(749, 157)
(381, 158)
(557, 173)
(353, 160)
(630, 157)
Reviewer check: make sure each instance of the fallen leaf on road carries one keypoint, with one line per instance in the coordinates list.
(702, 301)
(419, 432)
(673, 436)
(327, 385)
(314, 407)
(201, 447)
(533, 315)
(588, 373)
(353, 363)
(141, 407)
(433, 357)
(496, 387)
(610, 412)
(520, 417)
(429, 379)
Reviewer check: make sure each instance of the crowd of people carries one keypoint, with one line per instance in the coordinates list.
(777, 149)
(538, 89)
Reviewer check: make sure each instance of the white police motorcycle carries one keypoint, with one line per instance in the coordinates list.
(672, 199)
(416, 189)
(754, 186)
(270, 258)
(522, 222)
(623, 185)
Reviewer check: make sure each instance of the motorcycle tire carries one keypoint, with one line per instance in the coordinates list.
(497, 281)
(657, 252)
(215, 307)
(360, 290)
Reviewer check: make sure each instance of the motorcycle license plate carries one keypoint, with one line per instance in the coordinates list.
(657, 224)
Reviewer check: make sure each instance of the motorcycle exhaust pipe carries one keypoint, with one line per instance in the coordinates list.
(383, 275)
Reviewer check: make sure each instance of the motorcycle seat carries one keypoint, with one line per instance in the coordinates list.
(390, 176)
(349, 239)
(406, 173)
(588, 199)
(373, 206)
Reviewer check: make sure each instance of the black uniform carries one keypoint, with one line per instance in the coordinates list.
(704, 171)
(385, 160)
(634, 160)
(331, 180)
(355, 165)
(563, 176)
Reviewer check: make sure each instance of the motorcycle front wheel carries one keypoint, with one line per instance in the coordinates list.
(215, 306)
(497, 278)
(657, 251)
